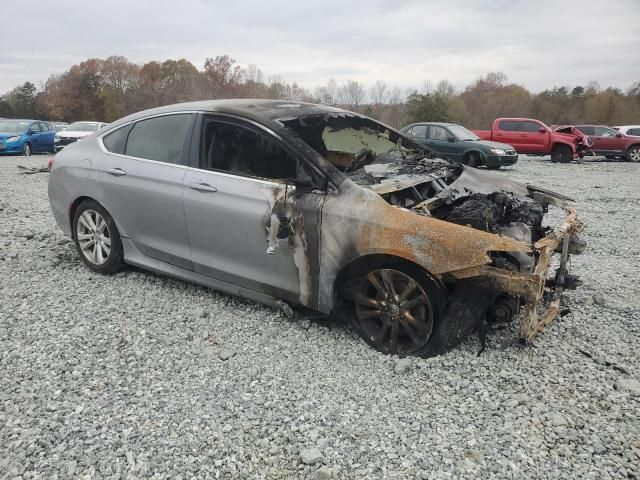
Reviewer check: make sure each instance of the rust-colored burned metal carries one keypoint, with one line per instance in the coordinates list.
(532, 286)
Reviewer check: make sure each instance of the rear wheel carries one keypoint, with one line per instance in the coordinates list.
(561, 154)
(397, 309)
(26, 149)
(97, 238)
(633, 154)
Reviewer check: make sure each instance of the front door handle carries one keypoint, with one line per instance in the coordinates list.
(116, 172)
(203, 187)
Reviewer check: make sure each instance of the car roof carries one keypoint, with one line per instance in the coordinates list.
(447, 124)
(263, 111)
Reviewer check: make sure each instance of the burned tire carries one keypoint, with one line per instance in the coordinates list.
(97, 239)
(633, 154)
(561, 154)
(397, 309)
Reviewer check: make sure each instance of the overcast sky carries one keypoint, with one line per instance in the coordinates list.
(536, 43)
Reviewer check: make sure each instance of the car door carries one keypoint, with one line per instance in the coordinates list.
(35, 138)
(240, 211)
(605, 141)
(508, 131)
(141, 181)
(46, 134)
(533, 139)
(438, 139)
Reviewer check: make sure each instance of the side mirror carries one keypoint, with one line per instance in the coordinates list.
(451, 139)
(542, 130)
(618, 135)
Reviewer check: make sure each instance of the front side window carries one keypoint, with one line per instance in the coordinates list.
(633, 131)
(509, 126)
(604, 132)
(35, 127)
(531, 127)
(236, 149)
(159, 138)
(438, 133)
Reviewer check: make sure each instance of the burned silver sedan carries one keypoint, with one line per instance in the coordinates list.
(294, 204)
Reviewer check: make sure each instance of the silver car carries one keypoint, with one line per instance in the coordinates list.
(295, 204)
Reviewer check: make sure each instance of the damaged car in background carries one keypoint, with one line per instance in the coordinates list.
(295, 204)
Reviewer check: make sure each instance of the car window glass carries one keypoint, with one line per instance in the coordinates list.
(530, 127)
(509, 126)
(586, 130)
(603, 132)
(419, 131)
(114, 142)
(437, 133)
(236, 149)
(35, 127)
(633, 131)
(159, 138)
(43, 126)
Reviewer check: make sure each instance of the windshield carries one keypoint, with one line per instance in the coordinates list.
(462, 133)
(13, 126)
(83, 127)
(339, 137)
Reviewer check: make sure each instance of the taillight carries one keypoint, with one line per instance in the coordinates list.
(50, 163)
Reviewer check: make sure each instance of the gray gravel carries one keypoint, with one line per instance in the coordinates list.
(142, 376)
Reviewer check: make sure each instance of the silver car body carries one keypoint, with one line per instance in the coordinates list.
(276, 240)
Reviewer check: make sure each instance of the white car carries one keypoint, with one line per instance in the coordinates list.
(75, 132)
(633, 130)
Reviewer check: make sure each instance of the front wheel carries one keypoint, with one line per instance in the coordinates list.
(397, 310)
(633, 154)
(561, 154)
(471, 160)
(26, 150)
(494, 167)
(97, 238)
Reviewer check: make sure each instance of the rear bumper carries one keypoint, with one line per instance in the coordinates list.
(540, 291)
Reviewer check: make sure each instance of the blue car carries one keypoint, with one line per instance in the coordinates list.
(24, 137)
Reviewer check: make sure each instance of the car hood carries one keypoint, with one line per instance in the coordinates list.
(73, 134)
(5, 135)
(490, 144)
(447, 181)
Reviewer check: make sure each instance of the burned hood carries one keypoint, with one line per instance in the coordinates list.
(449, 181)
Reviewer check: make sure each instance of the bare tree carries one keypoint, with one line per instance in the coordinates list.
(352, 94)
(379, 95)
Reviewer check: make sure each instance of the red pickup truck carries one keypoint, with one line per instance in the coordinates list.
(529, 136)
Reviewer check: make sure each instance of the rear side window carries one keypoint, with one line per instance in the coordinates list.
(114, 142)
(159, 138)
(419, 131)
(509, 126)
(531, 127)
(633, 131)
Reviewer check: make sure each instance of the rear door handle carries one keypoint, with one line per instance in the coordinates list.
(203, 187)
(116, 172)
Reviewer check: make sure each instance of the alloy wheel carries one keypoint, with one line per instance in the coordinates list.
(394, 312)
(94, 237)
(634, 154)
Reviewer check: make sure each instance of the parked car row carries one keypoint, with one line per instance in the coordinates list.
(27, 136)
(509, 137)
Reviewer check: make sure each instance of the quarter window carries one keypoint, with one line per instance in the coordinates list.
(509, 126)
(159, 138)
(236, 149)
(114, 142)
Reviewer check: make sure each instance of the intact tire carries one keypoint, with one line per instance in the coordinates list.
(397, 310)
(97, 238)
(633, 154)
(471, 159)
(561, 154)
(26, 149)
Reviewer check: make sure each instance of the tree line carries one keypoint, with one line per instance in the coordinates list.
(107, 89)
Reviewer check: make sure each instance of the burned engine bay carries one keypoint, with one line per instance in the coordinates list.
(415, 179)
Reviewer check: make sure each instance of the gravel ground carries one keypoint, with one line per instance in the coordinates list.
(141, 376)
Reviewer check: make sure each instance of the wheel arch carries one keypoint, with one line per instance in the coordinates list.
(76, 203)
(558, 143)
(480, 153)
